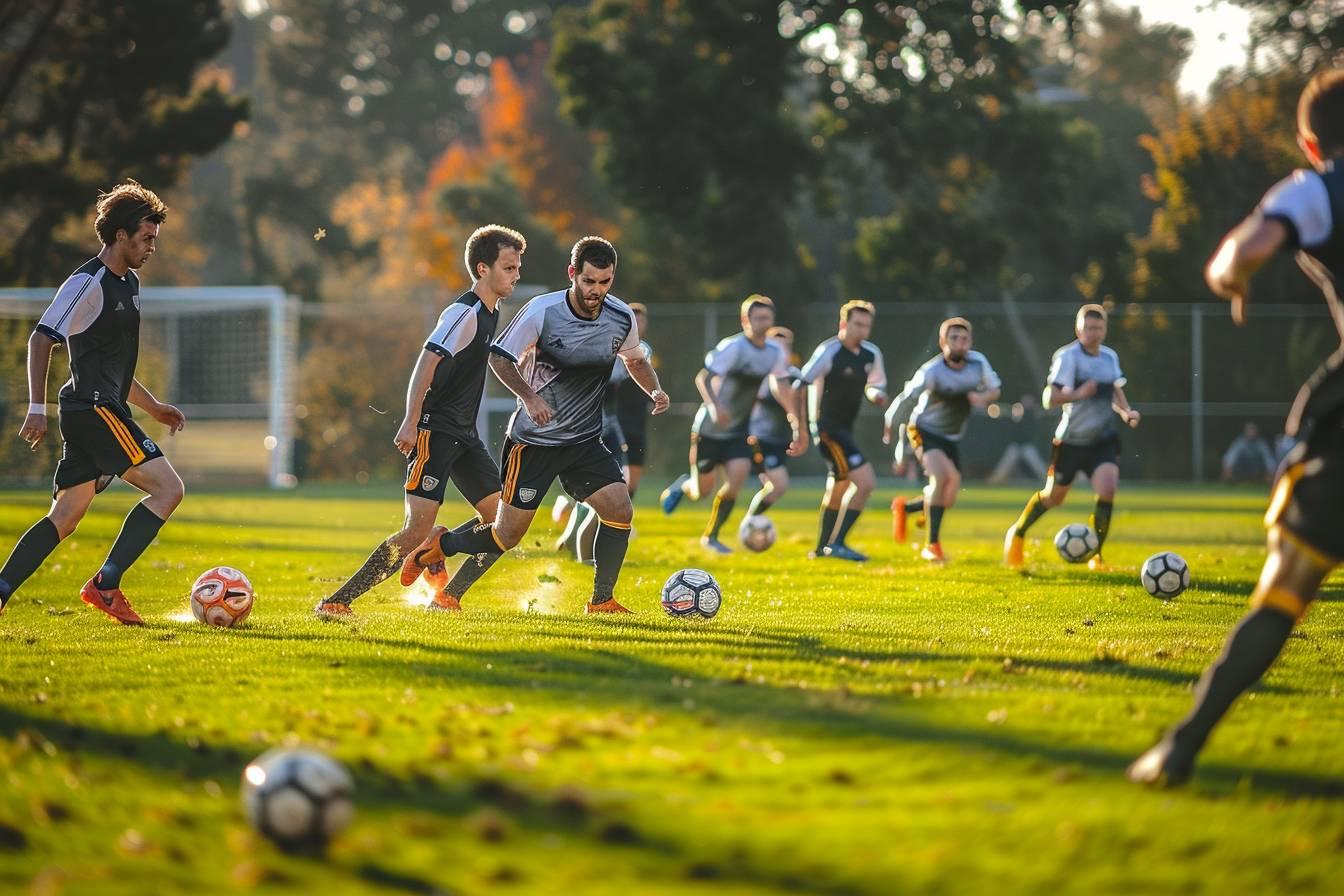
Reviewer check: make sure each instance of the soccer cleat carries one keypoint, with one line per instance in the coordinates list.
(673, 494)
(933, 552)
(112, 602)
(1162, 766)
(607, 606)
(1013, 548)
(445, 602)
(843, 552)
(427, 554)
(898, 519)
(713, 544)
(436, 574)
(561, 508)
(333, 609)
(1096, 564)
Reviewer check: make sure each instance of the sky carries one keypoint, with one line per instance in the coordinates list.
(1220, 29)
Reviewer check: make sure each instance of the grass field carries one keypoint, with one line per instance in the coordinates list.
(888, 728)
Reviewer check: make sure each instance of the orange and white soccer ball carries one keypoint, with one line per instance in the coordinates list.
(221, 596)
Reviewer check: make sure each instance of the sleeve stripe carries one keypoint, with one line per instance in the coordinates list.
(46, 330)
(454, 325)
(1294, 238)
(503, 352)
(71, 307)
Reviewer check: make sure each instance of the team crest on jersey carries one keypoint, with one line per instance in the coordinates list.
(616, 343)
(527, 494)
(431, 483)
(135, 300)
(149, 445)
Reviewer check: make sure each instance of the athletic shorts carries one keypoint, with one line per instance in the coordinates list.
(770, 454)
(583, 469)
(1067, 461)
(1308, 498)
(98, 444)
(441, 456)
(840, 451)
(613, 436)
(708, 452)
(923, 441)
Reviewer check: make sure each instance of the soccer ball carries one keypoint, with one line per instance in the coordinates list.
(1076, 543)
(221, 596)
(1165, 575)
(298, 798)
(756, 533)
(691, 592)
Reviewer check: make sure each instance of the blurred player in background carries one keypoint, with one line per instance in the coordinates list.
(772, 429)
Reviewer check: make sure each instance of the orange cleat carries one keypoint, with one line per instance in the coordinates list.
(112, 602)
(933, 552)
(436, 574)
(898, 519)
(607, 606)
(1096, 564)
(426, 555)
(333, 609)
(444, 601)
(1012, 549)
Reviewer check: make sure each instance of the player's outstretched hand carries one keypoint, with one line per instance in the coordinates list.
(33, 430)
(538, 410)
(1132, 418)
(886, 435)
(406, 437)
(797, 447)
(170, 417)
(661, 402)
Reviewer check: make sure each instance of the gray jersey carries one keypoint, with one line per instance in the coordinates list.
(567, 361)
(937, 397)
(769, 418)
(1088, 420)
(738, 368)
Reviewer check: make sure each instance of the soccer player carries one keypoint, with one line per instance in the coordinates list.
(842, 372)
(1085, 378)
(556, 357)
(733, 374)
(1306, 529)
(96, 316)
(937, 402)
(772, 427)
(438, 435)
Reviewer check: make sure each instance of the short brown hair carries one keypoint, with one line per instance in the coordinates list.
(592, 250)
(485, 242)
(951, 324)
(125, 207)
(848, 309)
(1320, 111)
(1089, 310)
(753, 301)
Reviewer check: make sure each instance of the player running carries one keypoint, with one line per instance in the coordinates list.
(734, 373)
(937, 403)
(438, 435)
(842, 372)
(1306, 528)
(556, 357)
(772, 428)
(1085, 378)
(96, 316)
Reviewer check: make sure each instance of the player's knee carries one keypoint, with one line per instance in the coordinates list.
(170, 493)
(65, 522)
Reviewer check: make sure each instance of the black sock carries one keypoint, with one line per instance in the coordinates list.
(846, 523)
(1034, 510)
(1101, 521)
(762, 501)
(828, 518)
(915, 505)
(471, 569)
(464, 528)
(935, 522)
(136, 533)
(33, 548)
(1249, 652)
(385, 560)
(723, 508)
(480, 539)
(609, 554)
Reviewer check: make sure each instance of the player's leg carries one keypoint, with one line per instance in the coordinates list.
(862, 481)
(1105, 479)
(735, 473)
(615, 512)
(944, 482)
(774, 483)
(68, 507)
(902, 507)
(635, 445)
(1058, 477)
(449, 595)
(386, 558)
(837, 483)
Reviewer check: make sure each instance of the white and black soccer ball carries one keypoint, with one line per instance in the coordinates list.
(757, 533)
(691, 593)
(1077, 543)
(298, 798)
(1165, 575)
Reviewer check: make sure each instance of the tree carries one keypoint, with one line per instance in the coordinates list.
(91, 93)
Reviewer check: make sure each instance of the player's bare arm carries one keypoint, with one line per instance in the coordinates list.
(1245, 250)
(421, 377)
(983, 399)
(1120, 404)
(789, 397)
(642, 372)
(1057, 395)
(39, 361)
(165, 413)
(704, 383)
(507, 373)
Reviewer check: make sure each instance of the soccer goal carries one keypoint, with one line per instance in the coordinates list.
(225, 355)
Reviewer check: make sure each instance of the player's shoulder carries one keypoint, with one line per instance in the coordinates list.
(935, 361)
(615, 303)
(546, 300)
(1070, 348)
(87, 276)
(725, 342)
(1299, 182)
(871, 348)
(826, 345)
(977, 357)
(1108, 352)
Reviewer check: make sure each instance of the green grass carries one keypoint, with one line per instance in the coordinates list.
(880, 729)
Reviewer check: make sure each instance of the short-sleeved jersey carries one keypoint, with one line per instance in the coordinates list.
(1310, 203)
(844, 377)
(97, 315)
(769, 418)
(462, 340)
(740, 367)
(1088, 420)
(937, 398)
(567, 360)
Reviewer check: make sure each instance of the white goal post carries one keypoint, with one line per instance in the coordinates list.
(226, 355)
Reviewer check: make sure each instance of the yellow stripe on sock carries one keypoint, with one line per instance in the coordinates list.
(1280, 599)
